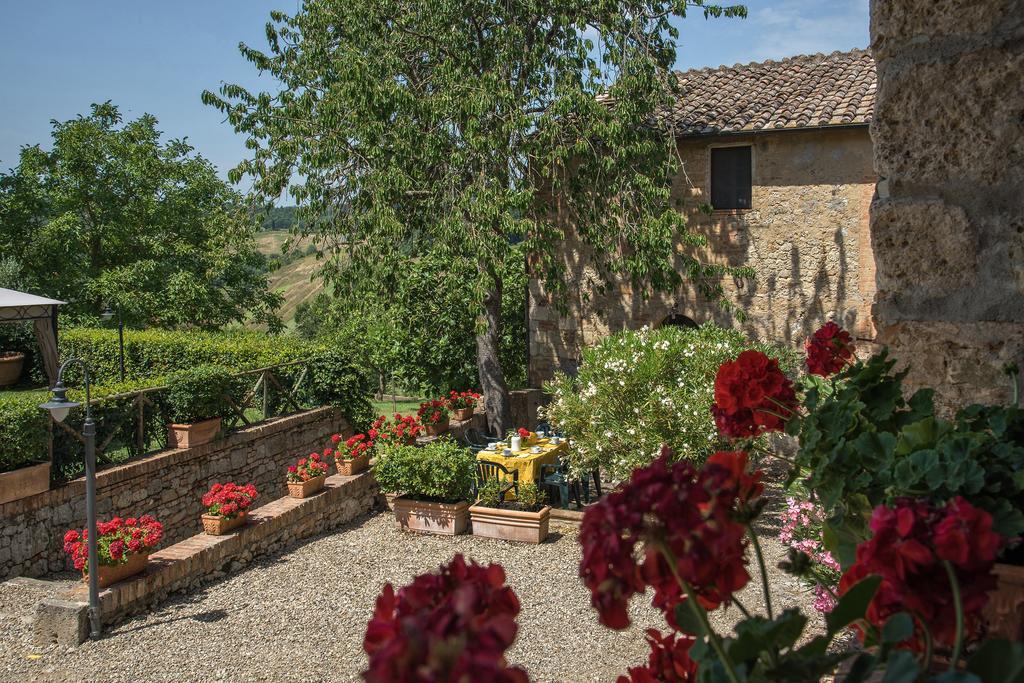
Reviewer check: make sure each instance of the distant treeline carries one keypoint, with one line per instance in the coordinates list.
(280, 218)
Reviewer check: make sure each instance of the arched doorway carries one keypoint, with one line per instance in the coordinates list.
(677, 320)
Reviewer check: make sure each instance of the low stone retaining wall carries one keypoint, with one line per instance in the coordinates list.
(167, 485)
(201, 559)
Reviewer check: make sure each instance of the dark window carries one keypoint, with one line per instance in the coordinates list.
(678, 320)
(730, 178)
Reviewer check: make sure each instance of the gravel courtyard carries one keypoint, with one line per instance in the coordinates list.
(302, 615)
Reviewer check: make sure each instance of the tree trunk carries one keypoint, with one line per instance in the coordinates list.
(492, 377)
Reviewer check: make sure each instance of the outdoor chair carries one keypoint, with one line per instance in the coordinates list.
(474, 439)
(493, 471)
(556, 479)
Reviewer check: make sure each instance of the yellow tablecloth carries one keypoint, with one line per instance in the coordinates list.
(527, 463)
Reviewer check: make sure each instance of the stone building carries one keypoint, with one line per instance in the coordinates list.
(781, 153)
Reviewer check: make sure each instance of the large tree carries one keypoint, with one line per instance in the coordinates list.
(461, 127)
(110, 215)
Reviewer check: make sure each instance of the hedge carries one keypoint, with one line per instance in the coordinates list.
(23, 429)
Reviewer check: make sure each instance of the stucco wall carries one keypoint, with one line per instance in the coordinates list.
(806, 237)
(948, 223)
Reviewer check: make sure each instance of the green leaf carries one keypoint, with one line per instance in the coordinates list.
(901, 667)
(998, 661)
(757, 634)
(853, 605)
(954, 677)
(897, 628)
(687, 620)
(861, 668)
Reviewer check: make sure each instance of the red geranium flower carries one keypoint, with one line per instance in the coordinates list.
(669, 661)
(752, 396)
(828, 350)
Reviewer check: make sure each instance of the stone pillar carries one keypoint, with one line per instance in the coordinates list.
(947, 222)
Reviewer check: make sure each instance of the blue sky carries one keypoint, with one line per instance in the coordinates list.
(58, 56)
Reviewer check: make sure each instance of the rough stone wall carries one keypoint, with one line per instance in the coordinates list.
(948, 221)
(168, 485)
(806, 236)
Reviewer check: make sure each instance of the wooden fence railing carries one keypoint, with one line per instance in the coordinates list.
(132, 424)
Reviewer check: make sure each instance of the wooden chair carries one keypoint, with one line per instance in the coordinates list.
(494, 471)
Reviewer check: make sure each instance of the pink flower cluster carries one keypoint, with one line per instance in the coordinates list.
(802, 530)
(117, 539)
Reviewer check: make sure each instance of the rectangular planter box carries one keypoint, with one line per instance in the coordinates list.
(136, 564)
(216, 525)
(24, 482)
(433, 518)
(510, 525)
(189, 435)
(305, 489)
(353, 466)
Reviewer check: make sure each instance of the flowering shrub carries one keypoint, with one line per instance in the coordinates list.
(355, 446)
(462, 400)
(454, 625)
(639, 390)
(433, 412)
(228, 500)
(403, 430)
(802, 531)
(752, 396)
(307, 468)
(117, 540)
(912, 545)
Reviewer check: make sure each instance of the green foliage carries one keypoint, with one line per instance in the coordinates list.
(460, 131)
(23, 430)
(531, 497)
(490, 494)
(112, 215)
(280, 218)
(334, 380)
(862, 444)
(198, 394)
(637, 390)
(441, 471)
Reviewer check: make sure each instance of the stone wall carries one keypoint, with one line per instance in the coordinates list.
(807, 238)
(168, 485)
(948, 221)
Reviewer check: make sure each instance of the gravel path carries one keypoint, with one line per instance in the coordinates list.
(302, 615)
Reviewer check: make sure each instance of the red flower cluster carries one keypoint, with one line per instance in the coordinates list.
(354, 447)
(307, 468)
(451, 626)
(461, 400)
(828, 350)
(910, 542)
(402, 431)
(433, 412)
(523, 432)
(227, 500)
(675, 507)
(117, 539)
(752, 396)
(669, 661)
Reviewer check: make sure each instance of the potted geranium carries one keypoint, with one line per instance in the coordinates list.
(462, 404)
(11, 363)
(307, 476)
(195, 400)
(227, 506)
(434, 415)
(401, 430)
(124, 546)
(351, 455)
(523, 519)
(433, 484)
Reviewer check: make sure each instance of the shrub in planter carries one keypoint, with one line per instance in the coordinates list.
(524, 519)
(352, 455)
(433, 484)
(227, 506)
(462, 404)
(124, 547)
(195, 401)
(638, 390)
(434, 415)
(307, 476)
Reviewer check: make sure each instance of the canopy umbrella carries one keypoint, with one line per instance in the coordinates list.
(22, 307)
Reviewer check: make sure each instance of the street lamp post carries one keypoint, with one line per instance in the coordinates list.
(108, 315)
(59, 406)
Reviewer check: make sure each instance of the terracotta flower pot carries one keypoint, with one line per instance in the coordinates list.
(195, 434)
(1004, 613)
(136, 564)
(218, 525)
(434, 518)
(438, 429)
(24, 482)
(510, 525)
(350, 466)
(305, 489)
(10, 369)
(463, 414)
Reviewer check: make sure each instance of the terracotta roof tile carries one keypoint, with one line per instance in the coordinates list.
(798, 92)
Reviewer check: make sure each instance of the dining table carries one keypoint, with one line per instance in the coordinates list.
(525, 461)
